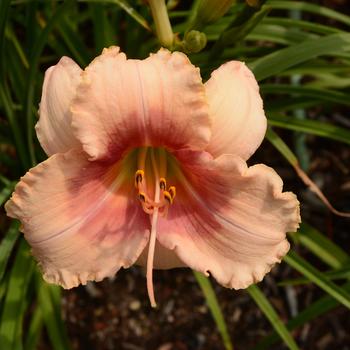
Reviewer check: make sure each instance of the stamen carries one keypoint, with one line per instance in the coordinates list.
(172, 191)
(162, 183)
(139, 175)
(168, 197)
(142, 197)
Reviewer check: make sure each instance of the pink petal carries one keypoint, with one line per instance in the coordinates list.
(127, 103)
(228, 220)
(54, 126)
(239, 122)
(80, 218)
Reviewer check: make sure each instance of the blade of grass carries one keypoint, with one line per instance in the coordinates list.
(214, 307)
(6, 192)
(297, 23)
(15, 73)
(280, 35)
(34, 331)
(321, 246)
(287, 104)
(13, 311)
(316, 309)
(51, 315)
(80, 52)
(322, 94)
(128, 9)
(121, 3)
(10, 34)
(270, 313)
(313, 127)
(4, 10)
(283, 59)
(16, 131)
(306, 269)
(104, 35)
(309, 7)
(3, 289)
(340, 274)
(237, 33)
(7, 245)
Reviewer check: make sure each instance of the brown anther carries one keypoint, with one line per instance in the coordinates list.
(168, 197)
(139, 177)
(162, 183)
(172, 191)
(142, 197)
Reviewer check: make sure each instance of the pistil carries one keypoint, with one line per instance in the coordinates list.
(159, 205)
(152, 240)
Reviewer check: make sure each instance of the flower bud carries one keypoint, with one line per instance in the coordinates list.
(194, 41)
(253, 3)
(211, 10)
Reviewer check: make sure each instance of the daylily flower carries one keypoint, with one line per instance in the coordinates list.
(147, 165)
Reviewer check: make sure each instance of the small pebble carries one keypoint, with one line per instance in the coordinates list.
(135, 305)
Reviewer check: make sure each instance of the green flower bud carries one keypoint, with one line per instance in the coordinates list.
(194, 41)
(253, 3)
(211, 10)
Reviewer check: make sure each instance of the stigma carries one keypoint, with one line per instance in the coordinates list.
(155, 198)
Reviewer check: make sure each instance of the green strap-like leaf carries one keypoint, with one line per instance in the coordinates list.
(79, 51)
(51, 311)
(15, 299)
(265, 306)
(4, 9)
(279, 34)
(306, 269)
(296, 23)
(6, 102)
(7, 245)
(214, 307)
(321, 246)
(34, 331)
(341, 274)
(309, 7)
(313, 127)
(283, 59)
(105, 34)
(6, 192)
(299, 90)
(316, 309)
(127, 8)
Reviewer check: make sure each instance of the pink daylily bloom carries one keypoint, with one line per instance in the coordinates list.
(147, 165)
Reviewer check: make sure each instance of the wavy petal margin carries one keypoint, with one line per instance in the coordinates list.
(227, 219)
(79, 218)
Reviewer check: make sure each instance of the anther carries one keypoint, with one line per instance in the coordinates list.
(172, 191)
(168, 197)
(139, 175)
(142, 197)
(162, 183)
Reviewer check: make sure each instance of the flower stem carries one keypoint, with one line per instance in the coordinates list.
(162, 22)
